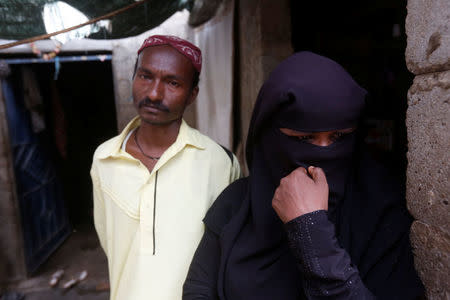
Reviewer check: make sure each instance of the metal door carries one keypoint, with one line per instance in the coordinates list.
(44, 218)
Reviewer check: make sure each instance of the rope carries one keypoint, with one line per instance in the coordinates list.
(46, 36)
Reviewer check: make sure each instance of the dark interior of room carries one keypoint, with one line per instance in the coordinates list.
(87, 94)
(83, 117)
(368, 39)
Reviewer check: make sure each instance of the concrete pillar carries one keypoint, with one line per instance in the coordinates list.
(264, 39)
(12, 261)
(428, 120)
(123, 60)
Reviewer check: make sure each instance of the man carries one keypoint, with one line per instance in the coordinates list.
(155, 181)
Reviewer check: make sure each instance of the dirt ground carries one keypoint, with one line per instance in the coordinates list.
(80, 252)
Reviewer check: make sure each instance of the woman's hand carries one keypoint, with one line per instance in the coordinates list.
(299, 194)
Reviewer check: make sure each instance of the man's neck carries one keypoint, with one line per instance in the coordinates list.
(158, 137)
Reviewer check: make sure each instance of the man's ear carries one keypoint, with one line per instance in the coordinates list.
(193, 95)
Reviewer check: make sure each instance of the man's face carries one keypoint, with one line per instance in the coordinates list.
(162, 85)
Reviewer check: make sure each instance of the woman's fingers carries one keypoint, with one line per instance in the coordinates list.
(318, 175)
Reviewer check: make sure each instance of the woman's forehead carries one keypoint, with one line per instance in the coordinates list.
(290, 131)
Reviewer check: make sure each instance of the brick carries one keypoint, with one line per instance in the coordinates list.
(427, 121)
(431, 248)
(428, 31)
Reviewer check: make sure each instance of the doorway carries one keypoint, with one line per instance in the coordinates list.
(62, 113)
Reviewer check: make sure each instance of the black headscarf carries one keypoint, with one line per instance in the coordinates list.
(309, 93)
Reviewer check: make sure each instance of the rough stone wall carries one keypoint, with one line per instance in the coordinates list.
(264, 29)
(12, 262)
(428, 119)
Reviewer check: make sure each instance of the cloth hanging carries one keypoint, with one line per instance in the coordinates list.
(33, 99)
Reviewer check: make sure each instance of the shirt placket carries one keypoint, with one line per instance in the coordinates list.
(147, 214)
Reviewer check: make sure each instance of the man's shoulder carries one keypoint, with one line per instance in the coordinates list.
(112, 145)
(215, 149)
(107, 147)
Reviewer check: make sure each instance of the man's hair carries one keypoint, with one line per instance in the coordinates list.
(135, 66)
(195, 80)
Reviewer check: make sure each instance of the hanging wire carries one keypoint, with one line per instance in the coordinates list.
(46, 36)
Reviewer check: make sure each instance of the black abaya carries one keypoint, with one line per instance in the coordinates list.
(359, 249)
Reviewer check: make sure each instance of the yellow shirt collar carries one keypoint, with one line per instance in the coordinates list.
(186, 136)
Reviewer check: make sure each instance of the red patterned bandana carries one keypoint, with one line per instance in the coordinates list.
(192, 52)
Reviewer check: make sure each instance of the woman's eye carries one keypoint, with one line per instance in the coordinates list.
(339, 135)
(304, 137)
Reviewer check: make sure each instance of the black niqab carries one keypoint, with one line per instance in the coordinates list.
(307, 93)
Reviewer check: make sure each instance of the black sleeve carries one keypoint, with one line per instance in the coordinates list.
(326, 268)
(201, 281)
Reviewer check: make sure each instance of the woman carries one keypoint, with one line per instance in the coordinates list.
(316, 218)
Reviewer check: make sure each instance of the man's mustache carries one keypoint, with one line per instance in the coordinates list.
(154, 104)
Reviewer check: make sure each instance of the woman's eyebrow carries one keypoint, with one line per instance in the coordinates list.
(347, 129)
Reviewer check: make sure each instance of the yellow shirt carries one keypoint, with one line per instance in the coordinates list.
(150, 223)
